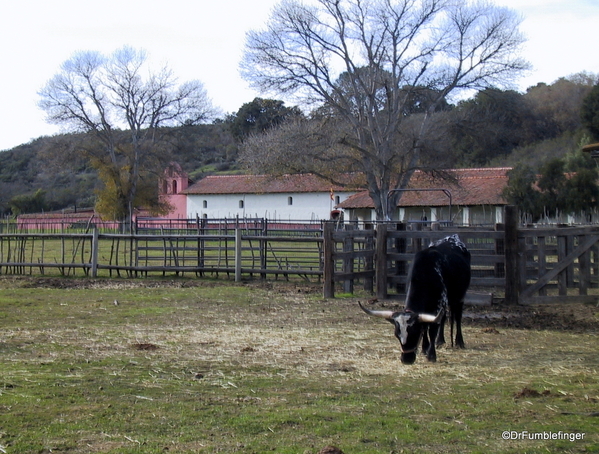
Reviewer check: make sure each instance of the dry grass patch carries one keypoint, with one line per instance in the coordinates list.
(193, 366)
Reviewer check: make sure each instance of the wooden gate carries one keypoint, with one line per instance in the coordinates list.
(559, 264)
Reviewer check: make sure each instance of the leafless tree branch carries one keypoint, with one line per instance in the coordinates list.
(366, 63)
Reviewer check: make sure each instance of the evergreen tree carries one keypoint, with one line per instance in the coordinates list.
(589, 112)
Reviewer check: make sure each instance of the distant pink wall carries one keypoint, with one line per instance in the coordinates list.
(174, 181)
(179, 203)
(58, 221)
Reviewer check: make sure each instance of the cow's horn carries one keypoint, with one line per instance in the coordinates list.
(430, 318)
(382, 314)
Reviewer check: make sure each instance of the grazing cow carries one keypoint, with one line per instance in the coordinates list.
(438, 280)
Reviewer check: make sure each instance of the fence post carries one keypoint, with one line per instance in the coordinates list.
(562, 252)
(348, 263)
(328, 265)
(263, 247)
(237, 254)
(499, 271)
(369, 260)
(584, 276)
(381, 261)
(200, 226)
(512, 262)
(401, 265)
(95, 247)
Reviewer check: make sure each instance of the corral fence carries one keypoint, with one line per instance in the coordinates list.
(380, 259)
(532, 264)
(97, 254)
(87, 220)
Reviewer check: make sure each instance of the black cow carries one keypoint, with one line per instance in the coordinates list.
(438, 281)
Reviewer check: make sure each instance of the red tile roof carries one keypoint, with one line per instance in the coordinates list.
(482, 186)
(264, 184)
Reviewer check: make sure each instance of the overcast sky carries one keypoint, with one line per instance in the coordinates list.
(203, 39)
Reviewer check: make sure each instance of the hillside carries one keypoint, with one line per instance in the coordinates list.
(51, 165)
(493, 128)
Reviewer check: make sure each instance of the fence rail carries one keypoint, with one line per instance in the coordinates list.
(381, 258)
(533, 265)
(85, 221)
(96, 254)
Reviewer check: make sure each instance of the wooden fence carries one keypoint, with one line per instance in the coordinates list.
(532, 265)
(380, 259)
(558, 264)
(131, 255)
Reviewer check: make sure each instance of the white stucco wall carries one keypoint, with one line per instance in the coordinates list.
(462, 215)
(304, 206)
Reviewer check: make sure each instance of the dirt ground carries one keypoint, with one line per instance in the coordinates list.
(572, 317)
(578, 318)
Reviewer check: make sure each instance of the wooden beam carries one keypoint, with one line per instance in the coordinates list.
(328, 263)
(381, 261)
(581, 249)
(478, 299)
(512, 271)
(591, 147)
(558, 299)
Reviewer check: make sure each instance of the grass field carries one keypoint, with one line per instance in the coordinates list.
(207, 366)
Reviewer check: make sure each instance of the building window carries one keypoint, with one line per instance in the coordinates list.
(337, 200)
(241, 204)
(289, 200)
(174, 186)
(205, 204)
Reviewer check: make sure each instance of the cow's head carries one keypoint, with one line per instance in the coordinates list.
(408, 329)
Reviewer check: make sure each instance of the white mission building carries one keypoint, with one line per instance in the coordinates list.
(291, 197)
(476, 197)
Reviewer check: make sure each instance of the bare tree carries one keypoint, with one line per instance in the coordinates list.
(368, 62)
(122, 105)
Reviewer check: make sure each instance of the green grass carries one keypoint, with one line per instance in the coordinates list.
(262, 368)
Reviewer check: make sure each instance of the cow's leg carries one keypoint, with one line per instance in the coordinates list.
(441, 333)
(459, 339)
(425, 340)
(431, 353)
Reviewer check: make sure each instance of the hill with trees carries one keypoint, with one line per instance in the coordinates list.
(492, 128)
(49, 174)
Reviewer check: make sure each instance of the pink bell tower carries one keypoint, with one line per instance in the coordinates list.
(172, 184)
